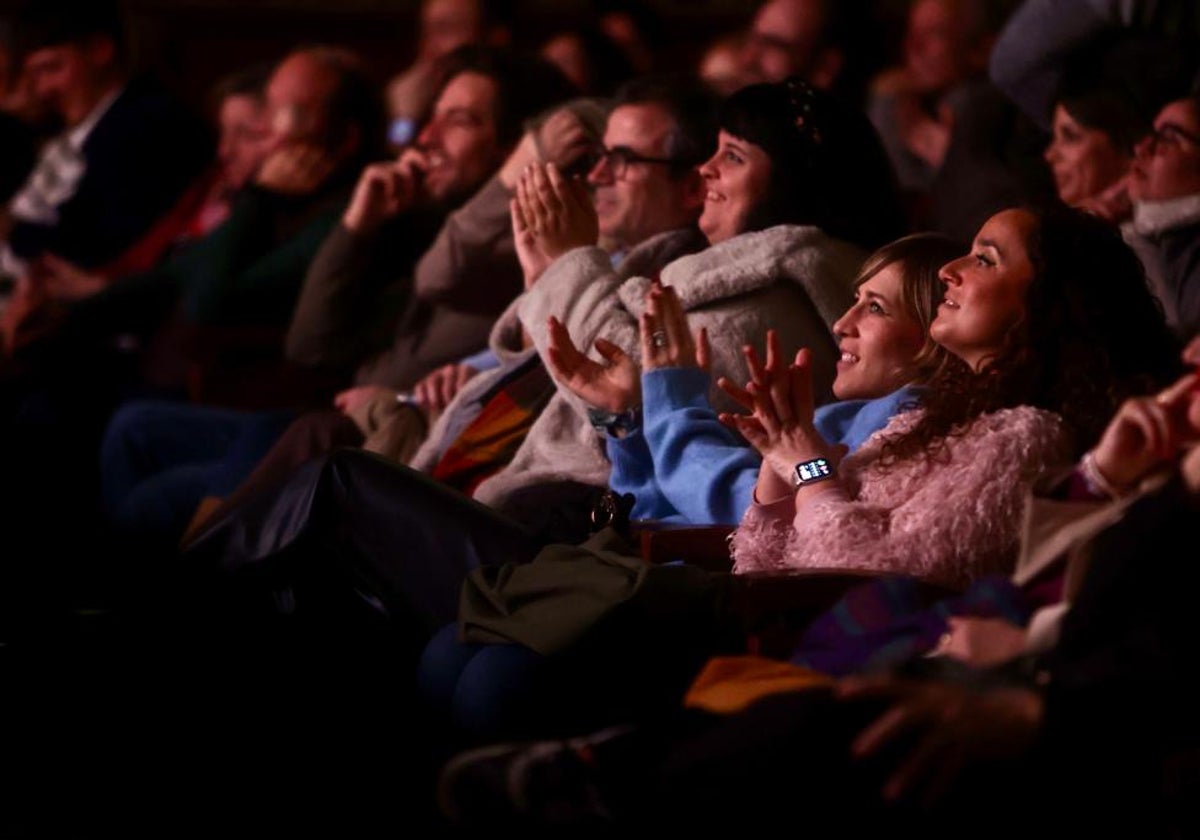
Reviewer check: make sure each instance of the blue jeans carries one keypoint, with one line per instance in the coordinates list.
(159, 459)
(486, 690)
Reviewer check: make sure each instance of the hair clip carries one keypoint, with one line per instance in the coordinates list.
(801, 98)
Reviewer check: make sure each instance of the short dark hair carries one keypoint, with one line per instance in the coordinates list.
(51, 23)
(691, 105)
(526, 85)
(828, 165)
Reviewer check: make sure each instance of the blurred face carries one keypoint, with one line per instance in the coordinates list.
(447, 25)
(460, 138)
(782, 40)
(736, 180)
(71, 79)
(1166, 163)
(644, 200)
(721, 69)
(298, 95)
(245, 138)
(986, 289)
(566, 52)
(878, 339)
(935, 44)
(1084, 160)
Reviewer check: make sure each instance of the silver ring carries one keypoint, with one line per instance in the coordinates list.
(658, 338)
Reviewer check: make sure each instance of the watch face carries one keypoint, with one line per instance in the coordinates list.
(814, 470)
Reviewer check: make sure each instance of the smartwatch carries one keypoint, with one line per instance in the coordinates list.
(810, 472)
(615, 423)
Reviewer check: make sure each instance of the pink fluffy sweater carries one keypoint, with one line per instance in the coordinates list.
(947, 520)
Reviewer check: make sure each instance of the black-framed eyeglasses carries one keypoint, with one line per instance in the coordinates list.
(618, 159)
(1170, 134)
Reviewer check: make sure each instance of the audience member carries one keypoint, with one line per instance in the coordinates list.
(361, 291)
(939, 740)
(418, 538)
(682, 464)
(591, 60)
(125, 155)
(444, 26)
(829, 44)
(1164, 186)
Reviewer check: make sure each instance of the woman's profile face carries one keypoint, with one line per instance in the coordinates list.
(878, 339)
(986, 289)
(736, 179)
(1084, 160)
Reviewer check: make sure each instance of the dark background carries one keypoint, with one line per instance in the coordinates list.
(191, 43)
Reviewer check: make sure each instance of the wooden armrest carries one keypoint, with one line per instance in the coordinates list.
(706, 546)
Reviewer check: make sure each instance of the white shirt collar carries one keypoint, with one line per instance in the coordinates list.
(78, 135)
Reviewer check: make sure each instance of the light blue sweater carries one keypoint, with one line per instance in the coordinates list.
(684, 466)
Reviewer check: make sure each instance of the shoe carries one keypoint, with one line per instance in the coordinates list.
(529, 783)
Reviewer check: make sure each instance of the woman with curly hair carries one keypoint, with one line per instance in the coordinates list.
(1049, 326)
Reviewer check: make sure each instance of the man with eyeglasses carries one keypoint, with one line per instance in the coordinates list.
(1164, 186)
(644, 179)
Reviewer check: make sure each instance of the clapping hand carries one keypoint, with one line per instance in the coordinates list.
(666, 339)
(780, 398)
(615, 386)
(558, 210)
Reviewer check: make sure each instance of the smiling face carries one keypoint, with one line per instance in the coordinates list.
(460, 138)
(1084, 160)
(986, 289)
(879, 339)
(736, 180)
(647, 198)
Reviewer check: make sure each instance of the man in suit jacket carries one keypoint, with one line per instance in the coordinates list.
(125, 155)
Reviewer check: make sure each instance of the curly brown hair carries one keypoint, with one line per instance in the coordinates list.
(1092, 336)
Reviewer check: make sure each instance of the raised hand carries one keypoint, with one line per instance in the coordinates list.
(296, 169)
(436, 390)
(1147, 432)
(781, 426)
(615, 386)
(666, 339)
(559, 211)
(957, 729)
(385, 190)
(529, 252)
